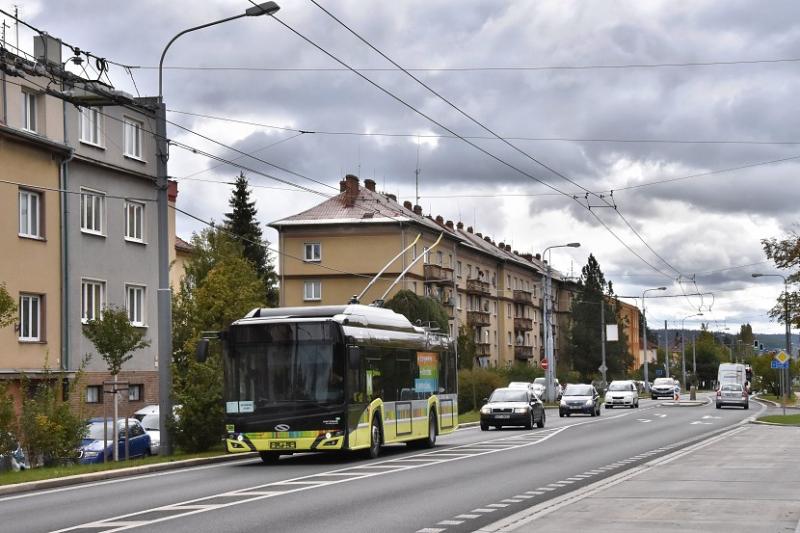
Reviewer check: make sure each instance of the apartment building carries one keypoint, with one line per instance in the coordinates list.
(81, 229)
(332, 251)
(629, 323)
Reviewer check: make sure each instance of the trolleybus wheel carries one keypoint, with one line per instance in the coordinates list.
(374, 439)
(430, 441)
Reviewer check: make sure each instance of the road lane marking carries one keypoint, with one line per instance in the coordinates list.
(468, 516)
(450, 522)
(482, 510)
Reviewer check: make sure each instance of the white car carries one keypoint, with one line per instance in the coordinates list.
(622, 394)
(148, 416)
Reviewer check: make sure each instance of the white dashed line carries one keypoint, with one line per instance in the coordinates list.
(467, 516)
(483, 510)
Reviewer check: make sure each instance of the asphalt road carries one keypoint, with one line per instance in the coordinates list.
(470, 479)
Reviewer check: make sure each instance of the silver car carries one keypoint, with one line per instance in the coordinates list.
(732, 394)
(622, 394)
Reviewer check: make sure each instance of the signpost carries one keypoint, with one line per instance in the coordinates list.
(781, 363)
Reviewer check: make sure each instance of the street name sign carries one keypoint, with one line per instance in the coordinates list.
(778, 364)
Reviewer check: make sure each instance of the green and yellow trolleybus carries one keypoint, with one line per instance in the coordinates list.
(332, 378)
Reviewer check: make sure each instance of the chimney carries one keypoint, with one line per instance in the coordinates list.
(538, 257)
(408, 205)
(342, 186)
(439, 219)
(502, 246)
(479, 235)
(508, 247)
(390, 196)
(418, 210)
(460, 225)
(529, 257)
(351, 190)
(469, 229)
(369, 184)
(449, 224)
(487, 239)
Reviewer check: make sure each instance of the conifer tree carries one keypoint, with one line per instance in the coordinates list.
(242, 222)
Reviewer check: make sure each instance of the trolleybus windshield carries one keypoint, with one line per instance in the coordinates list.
(270, 364)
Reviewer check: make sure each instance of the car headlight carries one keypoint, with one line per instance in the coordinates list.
(608, 397)
(520, 410)
(485, 410)
(589, 403)
(90, 455)
(155, 442)
(563, 402)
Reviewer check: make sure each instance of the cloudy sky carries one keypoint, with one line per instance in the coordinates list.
(638, 130)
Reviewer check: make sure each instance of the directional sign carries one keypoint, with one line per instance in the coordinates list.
(782, 357)
(778, 364)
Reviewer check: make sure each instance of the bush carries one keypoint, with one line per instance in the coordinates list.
(519, 372)
(476, 384)
(200, 421)
(8, 421)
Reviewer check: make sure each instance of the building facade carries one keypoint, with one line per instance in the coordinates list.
(332, 251)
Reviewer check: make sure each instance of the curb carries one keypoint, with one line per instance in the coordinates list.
(119, 473)
(760, 422)
(774, 403)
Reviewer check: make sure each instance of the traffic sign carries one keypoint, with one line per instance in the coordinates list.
(602, 368)
(778, 364)
(782, 357)
(544, 364)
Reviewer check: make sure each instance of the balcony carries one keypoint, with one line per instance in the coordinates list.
(523, 352)
(523, 297)
(476, 286)
(478, 319)
(523, 324)
(482, 349)
(438, 274)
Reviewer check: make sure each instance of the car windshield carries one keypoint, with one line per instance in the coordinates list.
(732, 386)
(518, 385)
(578, 390)
(150, 422)
(95, 431)
(619, 386)
(540, 381)
(663, 381)
(508, 395)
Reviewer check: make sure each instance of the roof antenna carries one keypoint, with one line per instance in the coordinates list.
(416, 174)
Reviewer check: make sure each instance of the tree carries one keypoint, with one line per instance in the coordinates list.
(242, 222)
(708, 355)
(115, 339)
(8, 422)
(786, 255)
(201, 420)
(8, 307)
(466, 348)
(416, 308)
(585, 333)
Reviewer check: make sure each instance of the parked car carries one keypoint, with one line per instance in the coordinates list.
(16, 459)
(579, 398)
(149, 417)
(664, 388)
(540, 387)
(733, 394)
(527, 385)
(512, 407)
(92, 451)
(622, 394)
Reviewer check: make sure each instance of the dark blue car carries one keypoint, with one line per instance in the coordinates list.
(91, 449)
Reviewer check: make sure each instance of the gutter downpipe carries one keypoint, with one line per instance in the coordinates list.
(62, 185)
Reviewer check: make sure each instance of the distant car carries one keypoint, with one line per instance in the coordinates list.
(527, 385)
(15, 460)
(622, 394)
(540, 387)
(733, 394)
(92, 451)
(149, 417)
(512, 407)
(579, 398)
(664, 388)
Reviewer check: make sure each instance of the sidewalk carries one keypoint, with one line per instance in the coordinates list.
(744, 481)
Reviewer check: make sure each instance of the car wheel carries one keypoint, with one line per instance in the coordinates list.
(594, 412)
(529, 423)
(718, 406)
(374, 449)
(269, 458)
(484, 427)
(598, 410)
(747, 405)
(636, 405)
(540, 423)
(560, 414)
(654, 397)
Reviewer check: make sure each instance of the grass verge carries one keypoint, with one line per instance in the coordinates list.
(790, 400)
(469, 416)
(787, 420)
(39, 474)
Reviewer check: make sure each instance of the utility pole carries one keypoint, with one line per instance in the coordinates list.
(603, 367)
(694, 355)
(666, 349)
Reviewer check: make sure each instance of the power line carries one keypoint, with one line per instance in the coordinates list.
(486, 68)
(316, 131)
(56, 189)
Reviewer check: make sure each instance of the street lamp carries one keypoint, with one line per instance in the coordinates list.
(683, 347)
(644, 319)
(164, 294)
(548, 330)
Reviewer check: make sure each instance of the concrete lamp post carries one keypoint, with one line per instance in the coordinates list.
(644, 352)
(548, 329)
(164, 293)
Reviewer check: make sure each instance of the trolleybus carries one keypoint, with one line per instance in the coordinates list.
(331, 378)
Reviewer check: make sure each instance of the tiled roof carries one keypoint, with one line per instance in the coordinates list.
(182, 245)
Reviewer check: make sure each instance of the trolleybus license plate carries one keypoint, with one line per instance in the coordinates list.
(283, 445)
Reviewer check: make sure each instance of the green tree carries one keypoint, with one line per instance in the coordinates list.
(221, 286)
(466, 348)
(708, 354)
(416, 308)
(785, 253)
(115, 338)
(8, 307)
(766, 378)
(8, 421)
(585, 333)
(242, 222)
(474, 385)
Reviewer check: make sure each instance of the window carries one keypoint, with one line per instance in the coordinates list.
(439, 258)
(495, 308)
(92, 211)
(508, 309)
(29, 214)
(134, 303)
(91, 126)
(29, 111)
(135, 393)
(94, 394)
(134, 221)
(510, 339)
(133, 138)
(459, 301)
(508, 281)
(313, 251)
(458, 269)
(427, 255)
(93, 294)
(414, 285)
(312, 290)
(30, 310)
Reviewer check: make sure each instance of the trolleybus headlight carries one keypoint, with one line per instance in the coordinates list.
(240, 437)
(327, 435)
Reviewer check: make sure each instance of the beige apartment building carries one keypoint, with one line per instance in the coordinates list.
(332, 251)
